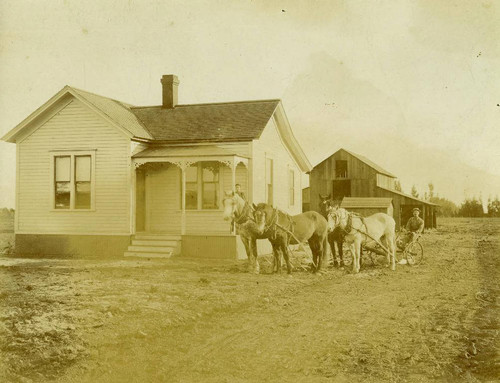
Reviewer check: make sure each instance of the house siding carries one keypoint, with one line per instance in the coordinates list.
(74, 127)
(163, 201)
(270, 145)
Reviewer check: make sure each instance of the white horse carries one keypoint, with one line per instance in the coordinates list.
(379, 226)
(250, 224)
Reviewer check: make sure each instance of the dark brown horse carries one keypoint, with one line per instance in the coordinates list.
(336, 236)
(309, 226)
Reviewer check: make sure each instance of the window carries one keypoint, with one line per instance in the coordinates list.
(291, 187)
(73, 176)
(62, 182)
(269, 181)
(192, 187)
(203, 186)
(82, 181)
(210, 185)
(340, 169)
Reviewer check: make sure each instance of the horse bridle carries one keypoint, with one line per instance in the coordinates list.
(243, 216)
(338, 220)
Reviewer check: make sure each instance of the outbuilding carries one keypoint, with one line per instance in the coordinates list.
(348, 174)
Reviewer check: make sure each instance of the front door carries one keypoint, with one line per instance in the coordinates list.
(163, 199)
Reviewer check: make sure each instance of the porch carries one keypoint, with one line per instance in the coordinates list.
(178, 191)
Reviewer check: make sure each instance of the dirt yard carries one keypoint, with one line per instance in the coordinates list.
(182, 320)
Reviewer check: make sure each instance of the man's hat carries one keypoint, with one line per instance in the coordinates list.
(416, 209)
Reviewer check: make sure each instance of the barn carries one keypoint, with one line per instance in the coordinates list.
(97, 176)
(346, 174)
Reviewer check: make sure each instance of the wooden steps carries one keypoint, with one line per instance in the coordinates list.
(147, 245)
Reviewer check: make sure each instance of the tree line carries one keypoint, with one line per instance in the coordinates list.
(470, 207)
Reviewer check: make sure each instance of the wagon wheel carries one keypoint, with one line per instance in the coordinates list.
(414, 253)
(399, 252)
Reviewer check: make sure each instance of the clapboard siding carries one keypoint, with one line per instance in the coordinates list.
(163, 202)
(206, 222)
(240, 148)
(163, 188)
(270, 145)
(75, 127)
(241, 178)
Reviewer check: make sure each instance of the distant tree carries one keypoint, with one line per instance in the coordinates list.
(446, 207)
(414, 191)
(431, 189)
(493, 207)
(471, 208)
(397, 186)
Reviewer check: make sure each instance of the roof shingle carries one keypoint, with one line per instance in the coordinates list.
(207, 122)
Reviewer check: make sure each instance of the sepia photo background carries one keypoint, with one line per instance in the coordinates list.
(412, 85)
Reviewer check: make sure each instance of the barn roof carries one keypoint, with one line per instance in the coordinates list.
(408, 196)
(207, 122)
(368, 202)
(370, 163)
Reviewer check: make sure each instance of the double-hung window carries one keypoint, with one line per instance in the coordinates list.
(73, 180)
(203, 186)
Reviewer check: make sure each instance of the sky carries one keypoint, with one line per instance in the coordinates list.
(412, 85)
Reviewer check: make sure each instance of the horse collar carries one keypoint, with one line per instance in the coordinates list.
(348, 227)
(243, 216)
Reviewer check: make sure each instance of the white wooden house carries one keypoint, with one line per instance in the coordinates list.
(96, 176)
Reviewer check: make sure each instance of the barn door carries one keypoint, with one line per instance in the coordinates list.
(341, 189)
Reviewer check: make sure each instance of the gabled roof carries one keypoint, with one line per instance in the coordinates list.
(407, 196)
(370, 163)
(214, 122)
(116, 110)
(207, 122)
(368, 202)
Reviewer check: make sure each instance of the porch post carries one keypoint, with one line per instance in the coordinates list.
(133, 198)
(233, 188)
(233, 175)
(183, 198)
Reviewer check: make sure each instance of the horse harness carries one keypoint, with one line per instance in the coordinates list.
(245, 214)
(349, 227)
(273, 226)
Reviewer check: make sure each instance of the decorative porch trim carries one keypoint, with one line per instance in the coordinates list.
(231, 161)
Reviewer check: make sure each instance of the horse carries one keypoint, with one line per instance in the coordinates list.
(377, 227)
(336, 236)
(250, 225)
(309, 226)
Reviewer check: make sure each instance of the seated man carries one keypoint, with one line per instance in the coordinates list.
(414, 227)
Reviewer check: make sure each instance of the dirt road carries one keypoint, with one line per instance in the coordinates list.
(204, 321)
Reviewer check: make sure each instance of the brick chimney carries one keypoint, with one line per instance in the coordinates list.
(170, 83)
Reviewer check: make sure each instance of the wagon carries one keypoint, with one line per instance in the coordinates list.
(412, 254)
